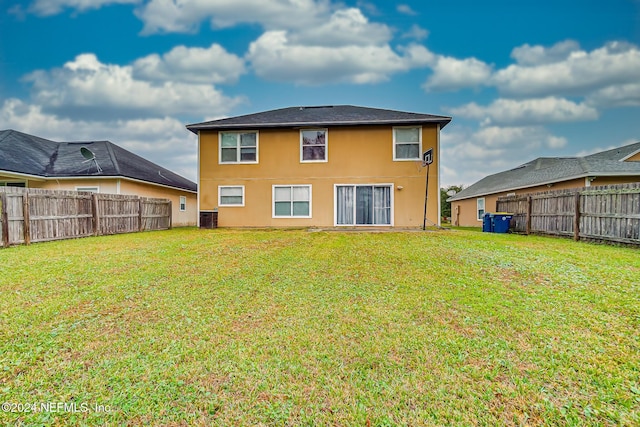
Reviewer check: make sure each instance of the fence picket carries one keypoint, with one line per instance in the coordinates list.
(36, 215)
(606, 213)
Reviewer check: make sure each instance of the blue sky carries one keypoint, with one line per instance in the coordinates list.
(521, 79)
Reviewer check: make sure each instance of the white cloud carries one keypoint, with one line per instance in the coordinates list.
(405, 9)
(578, 73)
(86, 88)
(624, 95)
(416, 32)
(345, 27)
(212, 65)
(528, 111)
(451, 73)
(186, 15)
(164, 141)
(469, 155)
(274, 57)
(53, 7)
(527, 55)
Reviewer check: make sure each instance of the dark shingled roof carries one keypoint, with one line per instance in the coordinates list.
(548, 170)
(330, 115)
(31, 155)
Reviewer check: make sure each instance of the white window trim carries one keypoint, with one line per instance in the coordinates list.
(393, 147)
(220, 204)
(180, 199)
(391, 201)
(89, 188)
(484, 203)
(273, 201)
(326, 145)
(239, 162)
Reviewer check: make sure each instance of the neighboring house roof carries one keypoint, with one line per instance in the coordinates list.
(31, 155)
(549, 170)
(330, 115)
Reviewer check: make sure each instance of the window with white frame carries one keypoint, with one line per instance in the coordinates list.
(292, 201)
(89, 189)
(238, 147)
(407, 143)
(313, 145)
(183, 203)
(363, 204)
(480, 208)
(231, 195)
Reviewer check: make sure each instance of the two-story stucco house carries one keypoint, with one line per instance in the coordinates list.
(326, 166)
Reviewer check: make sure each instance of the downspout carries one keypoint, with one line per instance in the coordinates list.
(198, 184)
(439, 222)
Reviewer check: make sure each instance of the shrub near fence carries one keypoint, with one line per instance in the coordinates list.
(606, 213)
(34, 215)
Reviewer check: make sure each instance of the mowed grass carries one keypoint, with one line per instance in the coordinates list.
(275, 328)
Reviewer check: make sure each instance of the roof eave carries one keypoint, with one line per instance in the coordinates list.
(584, 175)
(443, 121)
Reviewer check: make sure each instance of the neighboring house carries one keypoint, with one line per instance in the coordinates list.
(617, 166)
(328, 166)
(99, 166)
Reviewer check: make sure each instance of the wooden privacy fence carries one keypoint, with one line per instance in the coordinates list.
(30, 215)
(607, 213)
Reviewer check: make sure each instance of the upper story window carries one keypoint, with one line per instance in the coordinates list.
(238, 147)
(407, 143)
(313, 145)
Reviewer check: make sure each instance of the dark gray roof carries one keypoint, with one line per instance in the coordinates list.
(330, 115)
(549, 170)
(27, 154)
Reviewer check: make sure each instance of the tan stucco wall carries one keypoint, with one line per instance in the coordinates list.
(463, 212)
(123, 186)
(356, 155)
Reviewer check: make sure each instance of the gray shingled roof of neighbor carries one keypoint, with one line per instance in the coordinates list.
(549, 170)
(31, 155)
(328, 115)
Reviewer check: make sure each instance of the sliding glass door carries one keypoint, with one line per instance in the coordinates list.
(363, 204)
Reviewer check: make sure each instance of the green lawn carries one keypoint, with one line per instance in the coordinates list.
(230, 327)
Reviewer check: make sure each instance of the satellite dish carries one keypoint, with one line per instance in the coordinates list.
(88, 154)
(452, 193)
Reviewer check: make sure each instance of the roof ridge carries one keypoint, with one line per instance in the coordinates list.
(114, 158)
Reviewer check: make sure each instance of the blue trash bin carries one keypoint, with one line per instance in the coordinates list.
(487, 223)
(501, 221)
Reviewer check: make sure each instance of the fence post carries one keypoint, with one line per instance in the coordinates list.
(26, 218)
(96, 215)
(140, 223)
(170, 214)
(576, 218)
(4, 219)
(528, 218)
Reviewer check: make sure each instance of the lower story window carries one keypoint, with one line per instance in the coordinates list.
(292, 201)
(363, 204)
(480, 208)
(232, 195)
(183, 203)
